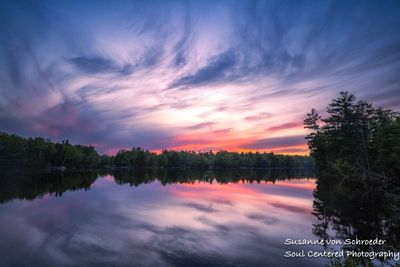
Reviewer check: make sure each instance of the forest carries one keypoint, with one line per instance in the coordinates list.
(40, 153)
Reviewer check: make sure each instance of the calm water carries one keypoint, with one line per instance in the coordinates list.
(127, 220)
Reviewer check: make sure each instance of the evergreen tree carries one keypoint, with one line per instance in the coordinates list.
(355, 138)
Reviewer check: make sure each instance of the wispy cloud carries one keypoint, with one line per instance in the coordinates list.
(202, 125)
(275, 142)
(217, 69)
(259, 116)
(289, 125)
(94, 65)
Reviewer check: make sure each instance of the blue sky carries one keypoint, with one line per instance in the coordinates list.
(191, 75)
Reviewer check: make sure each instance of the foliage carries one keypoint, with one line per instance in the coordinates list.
(40, 153)
(207, 160)
(356, 135)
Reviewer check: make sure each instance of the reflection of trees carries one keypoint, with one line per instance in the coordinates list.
(349, 208)
(136, 177)
(28, 186)
(19, 185)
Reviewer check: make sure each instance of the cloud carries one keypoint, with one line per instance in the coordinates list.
(275, 142)
(94, 65)
(259, 116)
(218, 68)
(201, 125)
(181, 48)
(152, 56)
(223, 131)
(285, 126)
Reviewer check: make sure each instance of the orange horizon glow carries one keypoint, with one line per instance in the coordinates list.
(218, 141)
(194, 148)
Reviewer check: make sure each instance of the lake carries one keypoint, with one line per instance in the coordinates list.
(136, 219)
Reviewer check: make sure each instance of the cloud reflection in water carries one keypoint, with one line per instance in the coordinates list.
(197, 224)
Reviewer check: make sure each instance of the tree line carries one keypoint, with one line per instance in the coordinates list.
(138, 157)
(40, 153)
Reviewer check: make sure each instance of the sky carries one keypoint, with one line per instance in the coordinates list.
(190, 75)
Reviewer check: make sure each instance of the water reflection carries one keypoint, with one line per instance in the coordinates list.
(28, 186)
(357, 209)
(154, 219)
